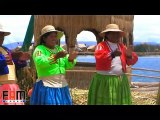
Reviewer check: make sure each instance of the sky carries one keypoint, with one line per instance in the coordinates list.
(146, 28)
(17, 25)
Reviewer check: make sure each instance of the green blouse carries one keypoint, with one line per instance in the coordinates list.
(47, 67)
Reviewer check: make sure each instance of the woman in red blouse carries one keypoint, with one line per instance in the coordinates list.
(110, 84)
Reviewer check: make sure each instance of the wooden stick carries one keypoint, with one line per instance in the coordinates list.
(143, 76)
(146, 69)
(93, 71)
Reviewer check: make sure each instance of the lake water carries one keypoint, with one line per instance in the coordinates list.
(148, 62)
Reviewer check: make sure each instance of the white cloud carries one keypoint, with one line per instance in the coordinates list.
(17, 25)
(147, 28)
(83, 36)
(86, 36)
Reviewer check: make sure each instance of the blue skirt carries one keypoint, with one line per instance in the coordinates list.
(43, 95)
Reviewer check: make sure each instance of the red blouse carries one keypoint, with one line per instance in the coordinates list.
(103, 57)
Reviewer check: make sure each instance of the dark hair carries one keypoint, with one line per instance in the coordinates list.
(106, 35)
(43, 37)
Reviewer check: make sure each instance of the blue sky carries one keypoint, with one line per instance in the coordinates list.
(146, 28)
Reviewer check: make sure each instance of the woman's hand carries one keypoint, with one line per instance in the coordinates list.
(8, 60)
(22, 56)
(25, 56)
(16, 55)
(53, 57)
(61, 54)
(72, 55)
(129, 51)
(117, 52)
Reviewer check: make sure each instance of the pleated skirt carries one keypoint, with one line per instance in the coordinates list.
(109, 90)
(42, 95)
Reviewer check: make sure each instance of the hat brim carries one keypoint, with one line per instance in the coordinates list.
(59, 33)
(102, 34)
(5, 33)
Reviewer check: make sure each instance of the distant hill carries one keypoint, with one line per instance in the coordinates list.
(149, 43)
(88, 43)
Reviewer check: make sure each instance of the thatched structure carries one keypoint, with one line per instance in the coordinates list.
(74, 24)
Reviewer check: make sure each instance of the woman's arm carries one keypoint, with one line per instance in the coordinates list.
(3, 62)
(70, 63)
(102, 55)
(132, 60)
(20, 59)
(131, 57)
(40, 59)
(3, 65)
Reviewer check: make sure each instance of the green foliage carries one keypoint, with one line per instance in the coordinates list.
(147, 48)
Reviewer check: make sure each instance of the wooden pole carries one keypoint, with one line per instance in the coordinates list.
(29, 35)
(146, 69)
(94, 71)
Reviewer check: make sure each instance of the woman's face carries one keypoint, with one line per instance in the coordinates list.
(114, 36)
(51, 40)
(1, 38)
